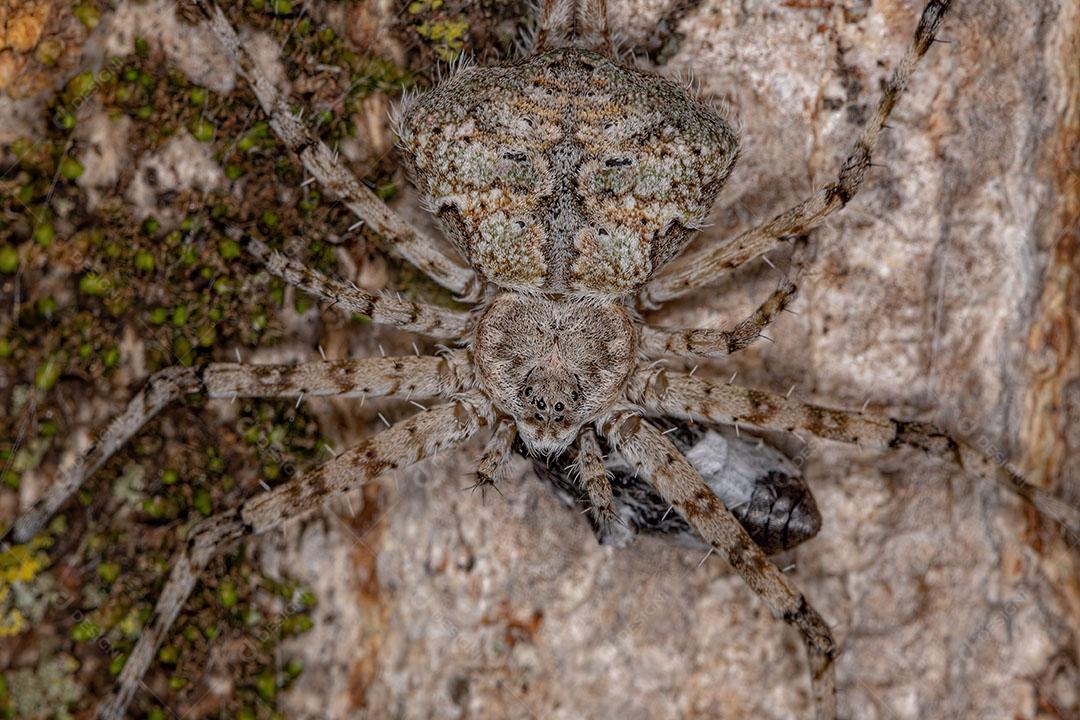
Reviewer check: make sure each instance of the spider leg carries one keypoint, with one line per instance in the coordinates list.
(381, 308)
(494, 463)
(682, 487)
(592, 31)
(324, 165)
(403, 444)
(693, 342)
(554, 24)
(698, 269)
(414, 376)
(681, 395)
(594, 478)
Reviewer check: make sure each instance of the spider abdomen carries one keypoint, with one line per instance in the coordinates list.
(567, 171)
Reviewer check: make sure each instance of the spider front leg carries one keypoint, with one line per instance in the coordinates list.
(494, 463)
(683, 488)
(402, 445)
(593, 476)
(409, 376)
(700, 268)
(683, 396)
(331, 173)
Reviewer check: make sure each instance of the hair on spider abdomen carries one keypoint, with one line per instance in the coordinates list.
(569, 183)
(567, 172)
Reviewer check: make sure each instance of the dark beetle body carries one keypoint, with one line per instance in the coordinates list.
(759, 484)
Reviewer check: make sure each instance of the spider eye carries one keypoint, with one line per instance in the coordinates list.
(559, 407)
(541, 405)
(559, 418)
(528, 391)
(618, 162)
(574, 396)
(538, 416)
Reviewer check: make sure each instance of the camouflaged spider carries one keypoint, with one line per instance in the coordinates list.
(569, 182)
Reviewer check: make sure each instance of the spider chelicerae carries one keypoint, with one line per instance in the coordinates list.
(571, 183)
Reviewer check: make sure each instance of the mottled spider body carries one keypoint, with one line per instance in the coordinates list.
(571, 175)
(566, 181)
(567, 172)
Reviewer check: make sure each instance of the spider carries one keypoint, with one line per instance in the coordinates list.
(570, 183)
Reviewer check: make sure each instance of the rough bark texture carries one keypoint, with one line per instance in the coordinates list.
(946, 290)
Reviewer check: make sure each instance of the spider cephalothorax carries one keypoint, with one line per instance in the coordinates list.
(567, 181)
(553, 364)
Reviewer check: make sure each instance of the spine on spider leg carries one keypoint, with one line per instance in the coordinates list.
(592, 30)
(494, 463)
(683, 488)
(161, 389)
(594, 478)
(679, 395)
(698, 269)
(858, 162)
(936, 442)
(696, 342)
(381, 308)
(332, 174)
(403, 444)
(553, 22)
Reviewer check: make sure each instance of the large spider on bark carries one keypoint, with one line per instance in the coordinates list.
(570, 183)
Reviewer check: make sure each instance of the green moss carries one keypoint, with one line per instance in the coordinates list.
(117, 664)
(266, 685)
(202, 130)
(94, 285)
(202, 502)
(110, 357)
(44, 234)
(9, 259)
(70, 168)
(446, 36)
(186, 294)
(229, 249)
(85, 631)
(47, 374)
(227, 594)
(144, 261)
(87, 14)
(108, 572)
